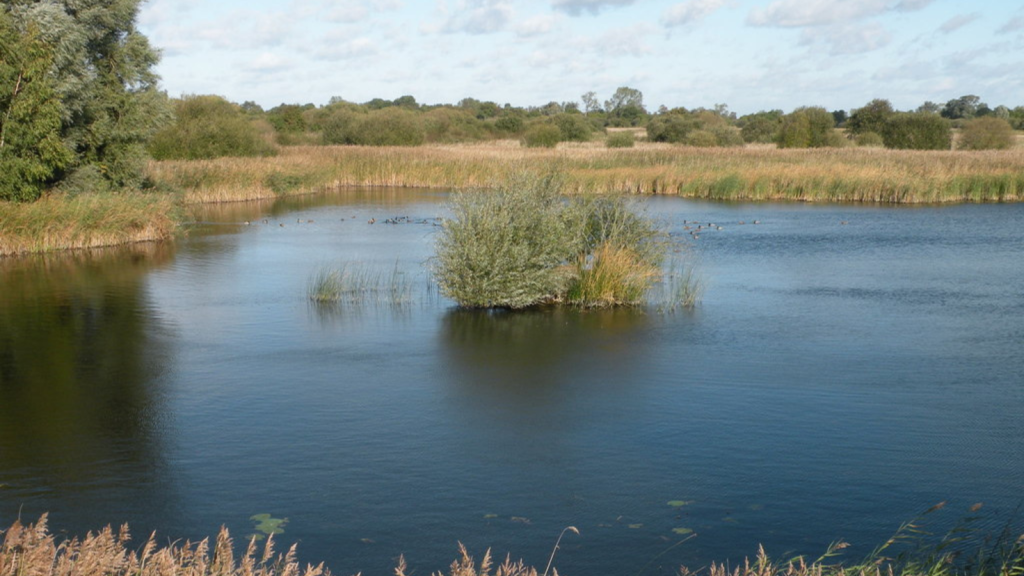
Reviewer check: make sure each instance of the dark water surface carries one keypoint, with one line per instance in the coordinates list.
(849, 367)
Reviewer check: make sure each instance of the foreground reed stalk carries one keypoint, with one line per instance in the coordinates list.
(30, 550)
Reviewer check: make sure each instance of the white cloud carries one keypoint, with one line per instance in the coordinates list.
(335, 48)
(958, 21)
(268, 62)
(800, 13)
(577, 7)
(849, 39)
(628, 41)
(690, 11)
(479, 17)
(536, 26)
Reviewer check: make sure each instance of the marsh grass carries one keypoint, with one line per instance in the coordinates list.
(753, 172)
(681, 285)
(357, 284)
(611, 276)
(85, 221)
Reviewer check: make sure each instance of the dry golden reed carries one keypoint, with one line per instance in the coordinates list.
(758, 173)
(32, 551)
(85, 221)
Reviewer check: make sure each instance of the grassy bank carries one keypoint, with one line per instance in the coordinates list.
(750, 173)
(85, 221)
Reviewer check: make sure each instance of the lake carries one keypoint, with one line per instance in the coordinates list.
(849, 367)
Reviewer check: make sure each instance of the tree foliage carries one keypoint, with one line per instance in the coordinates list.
(809, 127)
(986, 133)
(208, 127)
(104, 85)
(31, 149)
(871, 118)
(917, 131)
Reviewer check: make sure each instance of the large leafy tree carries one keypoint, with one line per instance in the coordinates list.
(31, 149)
(102, 77)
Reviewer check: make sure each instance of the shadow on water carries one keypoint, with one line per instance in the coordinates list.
(81, 354)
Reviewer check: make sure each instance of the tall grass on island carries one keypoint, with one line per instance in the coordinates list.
(525, 244)
(85, 221)
(753, 173)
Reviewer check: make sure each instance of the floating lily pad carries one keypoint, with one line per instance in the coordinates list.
(490, 516)
(682, 531)
(520, 519)
(635, 526)
(267, 524)
(679, 503)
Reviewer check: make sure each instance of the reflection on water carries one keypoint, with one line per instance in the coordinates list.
(81, 351)
(837, 379)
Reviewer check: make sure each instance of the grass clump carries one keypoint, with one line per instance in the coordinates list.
(620, 140)
(354, 284)
(525, 245)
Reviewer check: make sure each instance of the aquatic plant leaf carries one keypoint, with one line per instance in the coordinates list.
(682, 530)
(679, 503)
(490, 516)
(267, 524)
(635, 526)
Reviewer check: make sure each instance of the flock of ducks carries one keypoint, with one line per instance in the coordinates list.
(391, 220)
(701, 226)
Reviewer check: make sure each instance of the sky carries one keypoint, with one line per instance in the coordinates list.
(748, 54)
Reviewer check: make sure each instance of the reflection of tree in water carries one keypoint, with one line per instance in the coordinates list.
(79, 357)
(536, 350)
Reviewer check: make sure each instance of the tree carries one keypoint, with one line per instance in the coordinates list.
(102, 73)
(808, 127)
(964, 107)
(590, 102)
(929, 107)
(623, 97)
(917, 131)
(871, 118)
(31, 149)
(626, 107)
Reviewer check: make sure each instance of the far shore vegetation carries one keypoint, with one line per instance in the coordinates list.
(86, 134)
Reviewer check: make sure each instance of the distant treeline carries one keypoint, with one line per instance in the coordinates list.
(81, 111)
(210, 126)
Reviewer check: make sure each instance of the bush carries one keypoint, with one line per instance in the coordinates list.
(542, 136)
(510, 124)
(808, 128)
(869, 139)
(672, 128)
(917, 131)
(454, 125)
(387, 127)
(986, 133)
(336, 125)
(620, 140)
(760, 130)
(726, 136)
(208, 127)
(523, 245)
(574, 127)
(701, 138)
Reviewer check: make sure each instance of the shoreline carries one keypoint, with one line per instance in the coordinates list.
(747, 174)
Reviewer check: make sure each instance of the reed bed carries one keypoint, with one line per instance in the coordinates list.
(757, 173)
(85, 221)
(354, 284)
